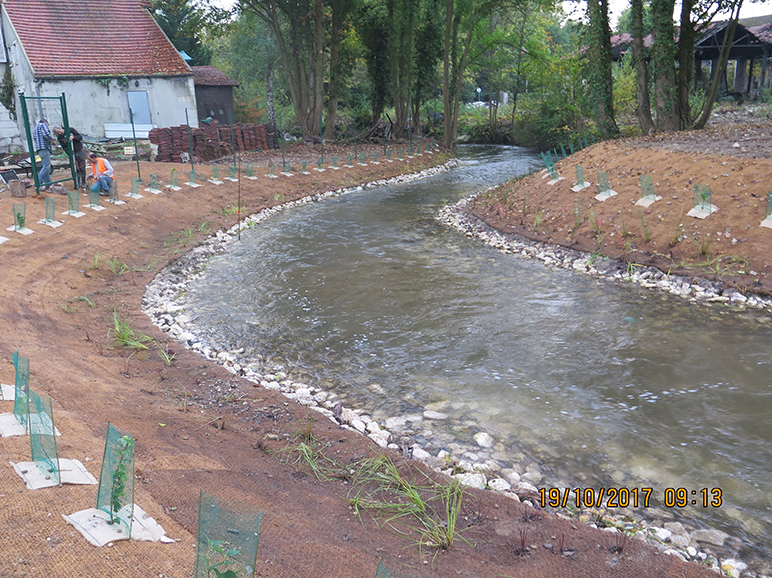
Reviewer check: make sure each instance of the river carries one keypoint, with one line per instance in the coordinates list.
(601, 384)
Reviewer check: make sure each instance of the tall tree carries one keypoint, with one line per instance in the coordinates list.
(723, 58)
(643, 109)
(341, 13)
(663, 54)
(184, 23)
(464, 27)
(298, 28)
(599, 66)
(428, 53)
(373, 32)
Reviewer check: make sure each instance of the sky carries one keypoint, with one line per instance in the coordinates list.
(616, 7)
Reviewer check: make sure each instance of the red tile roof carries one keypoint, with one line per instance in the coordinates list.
(211, 76)
(77, 38)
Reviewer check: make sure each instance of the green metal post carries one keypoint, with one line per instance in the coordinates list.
(30, 143)
(71, 156)
(136, 150)
(190, 142)
(355, 136)
(321, 138)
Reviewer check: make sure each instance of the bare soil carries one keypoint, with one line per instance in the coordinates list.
(198, 427)
(728, 247)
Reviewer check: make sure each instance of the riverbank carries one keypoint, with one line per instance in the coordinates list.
(725, 254)
(199, 426)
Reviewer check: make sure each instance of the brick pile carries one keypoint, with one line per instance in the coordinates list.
(212, 142)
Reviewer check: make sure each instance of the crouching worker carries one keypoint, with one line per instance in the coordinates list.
(102, 173)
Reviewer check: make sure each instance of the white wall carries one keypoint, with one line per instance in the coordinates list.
(91, 104)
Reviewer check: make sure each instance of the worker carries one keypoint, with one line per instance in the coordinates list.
(101, 172)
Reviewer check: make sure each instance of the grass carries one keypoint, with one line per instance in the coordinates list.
(677, 235)
(116, 266)
(229, 210)
(95, 262)
(164, 354)
(205, 228)
(429, 510)
(180, 238)
(646, 234)
(704, 244)
(538, 220)
(125, 336)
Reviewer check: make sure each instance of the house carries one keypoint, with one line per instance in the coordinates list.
(105, 56)
(750, 52)
(214, 94)
(751, 49)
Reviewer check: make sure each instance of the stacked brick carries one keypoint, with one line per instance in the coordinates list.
(212, 141)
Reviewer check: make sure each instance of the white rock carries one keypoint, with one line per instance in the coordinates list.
(358, 425)
(524, 487)
(513, 478)
(662, 534)
(532, 477)
(499, 484)
(484, 440)
(436, 415)
(379, 439)
(420, 453)
(712, 536)
(692, 551)
(471, 480)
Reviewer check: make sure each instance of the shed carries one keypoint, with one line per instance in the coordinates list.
(214, 93)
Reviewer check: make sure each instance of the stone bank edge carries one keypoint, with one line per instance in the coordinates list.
(673, 538)
(164, 302)
(695, 289)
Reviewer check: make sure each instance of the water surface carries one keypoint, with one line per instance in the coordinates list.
(603, 384)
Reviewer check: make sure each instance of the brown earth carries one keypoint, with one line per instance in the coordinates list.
(729, 246)
(198, 427)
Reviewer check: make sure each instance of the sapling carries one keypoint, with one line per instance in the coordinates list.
(125, 452)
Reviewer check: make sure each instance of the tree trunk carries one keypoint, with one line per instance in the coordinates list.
(600, 79)
(643, 109)
(332, 91)
(663, 60)
(269, 96)
(723, 58)
(518, 68)
(686, 40)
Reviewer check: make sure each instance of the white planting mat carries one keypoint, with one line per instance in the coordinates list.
(9, 426)
(647, 201)
(7, 392)
(93, 524)
(36, 476)
(702, 212)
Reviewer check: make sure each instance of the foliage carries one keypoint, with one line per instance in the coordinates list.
(123, 335)
(219, 560)
(184, 22)
(125, 451)
(8, 93)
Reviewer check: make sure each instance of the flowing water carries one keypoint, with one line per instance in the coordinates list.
(603, 384)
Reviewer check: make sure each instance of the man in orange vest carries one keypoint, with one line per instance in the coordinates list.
(102, 173)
